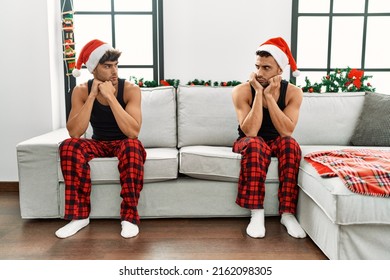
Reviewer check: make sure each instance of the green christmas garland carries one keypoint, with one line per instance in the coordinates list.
(141, 82)
(341, 80)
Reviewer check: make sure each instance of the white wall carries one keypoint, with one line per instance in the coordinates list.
(217, 39)
(204, 39)
(30, 90)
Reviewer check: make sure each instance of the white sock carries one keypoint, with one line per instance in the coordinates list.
(293, 227)
(129, 229)
(256, 227)
(71, 228)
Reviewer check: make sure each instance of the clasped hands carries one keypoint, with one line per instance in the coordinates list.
(106, 89)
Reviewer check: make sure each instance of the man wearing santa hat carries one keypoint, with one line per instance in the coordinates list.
(267, 109)
(113, 108)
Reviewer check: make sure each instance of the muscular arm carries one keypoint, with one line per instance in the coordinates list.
(286, 120)
(81, 108)
(129, 119)
(249, 118)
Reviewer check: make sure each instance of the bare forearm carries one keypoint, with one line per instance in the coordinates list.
(252, 123)
(129, 126)
(77, 124)
(126, 123)
(283, 124)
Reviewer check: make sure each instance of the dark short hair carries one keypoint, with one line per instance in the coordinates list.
(110, 55)
(263, 53)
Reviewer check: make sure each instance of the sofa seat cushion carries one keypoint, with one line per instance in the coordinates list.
(341, 205)
(217, 163)
(161, 164)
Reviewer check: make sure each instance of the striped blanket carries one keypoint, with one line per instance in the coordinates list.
(364, 171)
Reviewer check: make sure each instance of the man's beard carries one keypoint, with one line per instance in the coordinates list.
(262, 82)
(264, 85)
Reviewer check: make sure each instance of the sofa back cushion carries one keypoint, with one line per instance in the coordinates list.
(206, 116)
(158, 117)
(328, 118)
(373, 127)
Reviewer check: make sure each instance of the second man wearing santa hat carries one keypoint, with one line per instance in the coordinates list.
(267, 109)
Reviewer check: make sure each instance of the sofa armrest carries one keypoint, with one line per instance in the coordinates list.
(38, 174)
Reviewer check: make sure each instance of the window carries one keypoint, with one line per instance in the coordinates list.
(134, 27)
(330, 34)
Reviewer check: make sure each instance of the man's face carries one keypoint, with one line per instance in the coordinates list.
(266, 68)
(107, 71)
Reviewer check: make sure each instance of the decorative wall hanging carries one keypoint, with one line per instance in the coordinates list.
(68, 41)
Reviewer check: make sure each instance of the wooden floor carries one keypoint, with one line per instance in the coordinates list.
(159, 239)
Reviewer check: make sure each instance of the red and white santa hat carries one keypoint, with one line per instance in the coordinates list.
(280, 51)
(90, 55)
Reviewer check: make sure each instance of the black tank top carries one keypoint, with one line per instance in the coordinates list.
(103, 121)
(267, 130)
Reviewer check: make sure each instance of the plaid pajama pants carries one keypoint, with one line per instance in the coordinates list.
(75, 154)
(256, 156)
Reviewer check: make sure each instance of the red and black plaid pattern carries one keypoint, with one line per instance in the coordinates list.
(75, 154)
(256, 156)
(363, 171)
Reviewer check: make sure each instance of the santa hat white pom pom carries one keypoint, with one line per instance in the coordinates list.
(76, 73)
(296, 73)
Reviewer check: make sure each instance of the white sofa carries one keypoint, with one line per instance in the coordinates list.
(190, 170)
